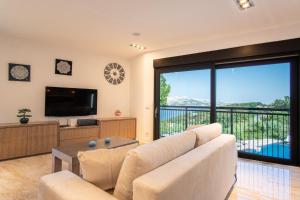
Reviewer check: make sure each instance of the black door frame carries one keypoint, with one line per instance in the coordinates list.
(252, 54)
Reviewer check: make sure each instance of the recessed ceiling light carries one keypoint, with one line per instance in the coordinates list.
(138, 46)
(136, 34)
(244, 4)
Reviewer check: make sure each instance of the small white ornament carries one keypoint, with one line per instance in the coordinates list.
(63, 67)
(19, 72)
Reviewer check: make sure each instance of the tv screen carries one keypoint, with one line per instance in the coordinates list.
(70, 101)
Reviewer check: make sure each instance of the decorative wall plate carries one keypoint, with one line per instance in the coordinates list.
(63, 67)
(114, 73)
(18, 72)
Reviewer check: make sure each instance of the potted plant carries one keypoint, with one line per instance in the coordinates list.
(24, 115)
(118, 113)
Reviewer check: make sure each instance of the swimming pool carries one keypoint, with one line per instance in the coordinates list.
(277, 150)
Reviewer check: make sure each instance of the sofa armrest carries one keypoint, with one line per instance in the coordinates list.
(65, 185)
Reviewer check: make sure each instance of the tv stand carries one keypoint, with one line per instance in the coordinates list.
(63, 125)
(106, 127)
(70, 135)
(20, 140)
(118, 126)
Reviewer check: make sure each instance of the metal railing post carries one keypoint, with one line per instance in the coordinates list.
(231, 121)
(186, 118)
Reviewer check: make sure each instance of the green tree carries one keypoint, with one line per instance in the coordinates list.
(164, 91)
(281, 103)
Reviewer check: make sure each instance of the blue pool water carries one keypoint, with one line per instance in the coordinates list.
(165, 115)
(277, 150)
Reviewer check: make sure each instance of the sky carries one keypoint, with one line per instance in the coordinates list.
(261, 83)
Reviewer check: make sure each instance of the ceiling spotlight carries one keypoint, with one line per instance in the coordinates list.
(136, 34)
(138, 46)
(244, 4)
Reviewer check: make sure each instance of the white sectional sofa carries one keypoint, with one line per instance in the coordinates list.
(198, 164)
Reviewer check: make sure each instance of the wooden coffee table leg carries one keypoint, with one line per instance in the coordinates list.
(56, 164)
(74, 166)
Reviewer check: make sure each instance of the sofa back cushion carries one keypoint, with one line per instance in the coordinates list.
(207, 133)
(102, 166)
(194, 126)
(147, 157)
(204, 173)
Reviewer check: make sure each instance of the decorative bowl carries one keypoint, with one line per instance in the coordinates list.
(92, 143)
(107, 140)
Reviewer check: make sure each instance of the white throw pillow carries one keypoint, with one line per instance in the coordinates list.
(207, 133)
(102, 166)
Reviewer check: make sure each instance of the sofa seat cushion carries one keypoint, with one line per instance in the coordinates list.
(207, 133)
(147, 157)
(102, 166)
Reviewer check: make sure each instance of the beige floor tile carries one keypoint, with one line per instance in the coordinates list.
(256, 180)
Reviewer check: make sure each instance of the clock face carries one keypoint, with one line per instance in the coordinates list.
(114, 73)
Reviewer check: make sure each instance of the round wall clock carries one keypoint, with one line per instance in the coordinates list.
(114, 73)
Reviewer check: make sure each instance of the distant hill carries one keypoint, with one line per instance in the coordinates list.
(249, 105)
(187, 101)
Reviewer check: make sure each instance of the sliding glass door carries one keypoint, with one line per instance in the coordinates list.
(255, 100)
(184, 100)
(253, 103)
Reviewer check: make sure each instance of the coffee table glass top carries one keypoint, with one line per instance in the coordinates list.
(72, 150)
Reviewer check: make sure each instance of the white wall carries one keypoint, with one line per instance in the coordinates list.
(87, 73)
(142, 80)
(134, 97)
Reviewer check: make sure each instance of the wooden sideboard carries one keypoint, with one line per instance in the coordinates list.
(107, 127)
(18, 140)
(72, 135)
(122, 126)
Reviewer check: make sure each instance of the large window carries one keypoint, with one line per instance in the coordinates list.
(184, 100)
(252, 100)
(253, 103)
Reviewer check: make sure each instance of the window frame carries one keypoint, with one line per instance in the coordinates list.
(267, 53)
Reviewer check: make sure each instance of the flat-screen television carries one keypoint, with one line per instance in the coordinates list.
(70, 101)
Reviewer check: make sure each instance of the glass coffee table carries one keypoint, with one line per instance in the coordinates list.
(69, 153)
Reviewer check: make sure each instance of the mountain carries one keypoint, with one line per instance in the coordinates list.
(249, 105)
(187, 101)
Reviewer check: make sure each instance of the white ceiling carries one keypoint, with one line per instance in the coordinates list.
(106, 27)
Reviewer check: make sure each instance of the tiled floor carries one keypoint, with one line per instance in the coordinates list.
(256, 180)
(260, 180)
